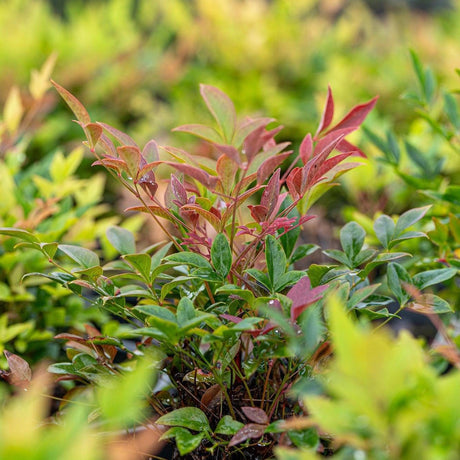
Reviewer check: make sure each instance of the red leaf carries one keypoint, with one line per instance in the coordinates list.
(258, 212)
(230, 151)
(294, 182)
(211, 396)
(328, 165)
(95, 132)
(207, 215)
(306, 148)
(178, 190)
(328, 112)
(255, 414)
(269, 165)
(345, 146)
(247, 127)
(107, 146)
(20, 373)
(132, 157)
(302, 296)
(196, 173)
(150, 152)
(271, 193)
(123, 138)
(226, 169)
(249, 431)
(75, 105)
(66, 336)
(355, 117)
(113, 163)
(329, 142)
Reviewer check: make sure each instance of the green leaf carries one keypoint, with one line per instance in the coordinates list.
(222, 108)
(19, 233)
(409, 218)
(231, 289)
(302, 251)
(417, 65)
(419, 159)
(187, 417)
(288, 279)
(202, 131)
(396, 275)
(364, 256)
(306, 438)
(429, 304)
(316, 273)
(406, 236)
(141, 263)
(384, 228)
(186, 442)
(432, 277)
(185, 311)
(352, 239)
(221, 255)
(276, 260)
(178, 281)
(228, 426)
(340, 256)
(361, 294)
(157, 312)
(82, 256)
(121, 239)
(261, 278)
(189, 258)
(451, 109)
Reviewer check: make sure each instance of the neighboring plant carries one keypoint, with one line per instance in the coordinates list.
(384, 399)
(97, 424)
(50, 200)
(237, 326)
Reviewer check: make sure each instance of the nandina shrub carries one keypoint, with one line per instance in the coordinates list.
(240, 331)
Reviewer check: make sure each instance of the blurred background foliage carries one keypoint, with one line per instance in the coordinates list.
(137, 63)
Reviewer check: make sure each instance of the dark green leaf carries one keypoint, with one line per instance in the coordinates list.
(221, 255)
(361, 294)
(432, 277)
(306, 438)
(352, 239)
(189, 258)
(409, 218)
(276, 260)
(187, 417)
(397, 275)
(340, 256)
(288, 279)
(384, 228)
(186, 442)
(228, 426)
(185, 311)
(302, 251)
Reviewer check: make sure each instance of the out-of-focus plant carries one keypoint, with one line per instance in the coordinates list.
(384, 399)
(49, 199)
(270, 56)
(98, 425)
(235, 323)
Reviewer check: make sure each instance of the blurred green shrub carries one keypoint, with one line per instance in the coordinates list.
(50, 199)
